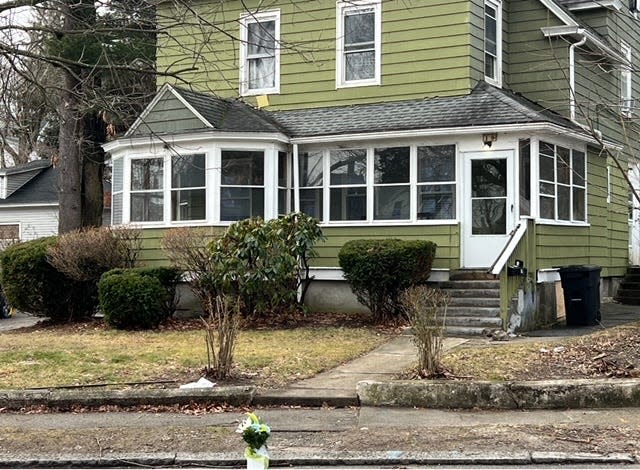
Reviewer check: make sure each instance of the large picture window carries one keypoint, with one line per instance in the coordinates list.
(260, 54)
(358, 51)
(562, 173)
(242, 185)
(147, 196)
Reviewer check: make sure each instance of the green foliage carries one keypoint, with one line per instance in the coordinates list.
(130, 300)
(262, 263)
(32, 284)
(378, 271)
(169, 278)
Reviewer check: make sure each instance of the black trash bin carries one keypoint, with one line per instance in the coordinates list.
(581, 286)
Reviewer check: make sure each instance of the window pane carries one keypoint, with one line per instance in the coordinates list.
(348, 204)
(489, 66)
(188, 204)
(261, 37)
(283, 170)
(116, 207)
(563, 164)
(391, 202)
(310, 169)
(489, 216)
(146, 207)
(348, 167)
(187, 171)
(242, 168)
(392, 165)
(548, 188)
(525, 177)
(359, 27)
(117, 175)
(546, 169)
(490, 36)
(262, 73)
(437, 202)
(564, 203)
(547, 207)
(489, 178)
(436, 163)
(578, 168)
(360, 65)
(578, 204)
(311, 202)
(285, 201)
(241, 203)
(146, 174)
(547, 149)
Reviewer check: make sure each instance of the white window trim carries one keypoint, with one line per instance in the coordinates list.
(341, 8)
(245, 20)
(497, 5)
(626, 82)
(539, 220)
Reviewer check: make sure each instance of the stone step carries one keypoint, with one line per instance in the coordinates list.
(627, 300)
(474, 302)
(486, 284)
(629, 285)
(474, 311)
(476, 322)
(631, 277)
(470, 274)
(628, 293)
(453, 331)
(492, 293)
(633, 270)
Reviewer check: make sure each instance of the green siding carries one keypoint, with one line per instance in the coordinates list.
(425, 51)
(169, 115)
(152, 253)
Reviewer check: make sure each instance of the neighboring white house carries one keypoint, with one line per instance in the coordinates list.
(28, 201)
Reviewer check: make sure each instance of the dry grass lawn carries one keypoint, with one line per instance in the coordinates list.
(50, 357)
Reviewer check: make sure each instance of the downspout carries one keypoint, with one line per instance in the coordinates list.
(572, 76)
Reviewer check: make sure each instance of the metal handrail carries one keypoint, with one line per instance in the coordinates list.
(514, 238)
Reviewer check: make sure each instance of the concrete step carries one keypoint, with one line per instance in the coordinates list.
(629, 285)
(486, 284)
(470, 274)
(628, 293)
(474, 302)
(633, 270)
(627, 300)
(631, 278)
(475, 293)
(453, 331)
(474, 311)
(476, 322)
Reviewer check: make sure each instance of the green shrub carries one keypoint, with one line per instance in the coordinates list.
(379, 270)
(169, 278)
(32, 284)
(130, 300)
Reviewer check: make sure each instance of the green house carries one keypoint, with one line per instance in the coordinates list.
(501, 130)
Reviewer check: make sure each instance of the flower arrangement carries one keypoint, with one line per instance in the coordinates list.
(255, 433)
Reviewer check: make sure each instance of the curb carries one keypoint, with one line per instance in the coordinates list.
(540, 395)
(331, 458)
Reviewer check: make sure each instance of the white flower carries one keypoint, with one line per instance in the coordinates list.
(243, 425)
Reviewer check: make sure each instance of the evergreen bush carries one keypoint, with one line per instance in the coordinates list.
(379, 270)
(130, 300)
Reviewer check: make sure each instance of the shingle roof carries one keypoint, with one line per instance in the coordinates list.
(32, 165)
(229, 115)
(42, 189)
(485, 106)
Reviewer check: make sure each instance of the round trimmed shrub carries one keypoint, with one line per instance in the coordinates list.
(130, 300)
(33, 285)
(379, 270)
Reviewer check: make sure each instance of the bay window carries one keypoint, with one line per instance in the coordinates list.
(242, 185)
(147, 185)
(188, 188)
(117, 191)
(562, 173)
(285, 184)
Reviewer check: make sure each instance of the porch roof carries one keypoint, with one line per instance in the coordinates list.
(485, 106)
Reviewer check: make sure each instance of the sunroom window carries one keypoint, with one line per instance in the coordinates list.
(311, 184)
(285, 184)
(562, 173)
(391, 189)
(436, 182)
(242, 185)
(147, 197)
(188, 188)
(348, 182)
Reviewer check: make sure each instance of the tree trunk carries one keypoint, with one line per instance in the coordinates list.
(92, 171)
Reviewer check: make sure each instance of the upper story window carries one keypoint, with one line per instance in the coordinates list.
(563, 186)
(626, 82)
(260, 53)
(359, 43)
(493, 42)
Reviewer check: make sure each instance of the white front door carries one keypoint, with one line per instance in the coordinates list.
(634, 217)
(489, 206)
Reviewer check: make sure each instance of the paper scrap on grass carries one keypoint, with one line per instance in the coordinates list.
(202, 383)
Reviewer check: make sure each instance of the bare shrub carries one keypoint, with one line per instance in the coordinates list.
(221, 332)
(84, 255)
(426, 309)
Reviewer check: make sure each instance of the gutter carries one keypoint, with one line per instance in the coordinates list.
(593, 39)
(572, 76)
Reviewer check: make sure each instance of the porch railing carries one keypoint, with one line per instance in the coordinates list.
(514, 239)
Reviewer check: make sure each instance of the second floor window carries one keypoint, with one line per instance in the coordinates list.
(260, 54)
(358, 51)
(493, 42)
(626, 82)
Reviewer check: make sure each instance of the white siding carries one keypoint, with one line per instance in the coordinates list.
(35, 222)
